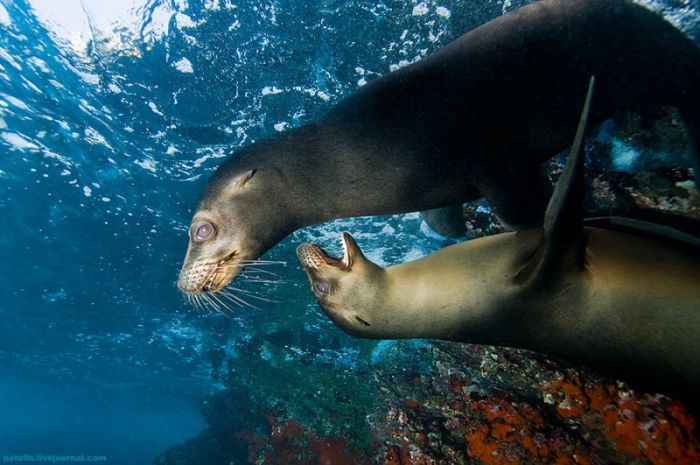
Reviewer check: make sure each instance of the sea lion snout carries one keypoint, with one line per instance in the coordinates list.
(322, 269)
(345, 287)
(204, 276)
(308, 256)
(314, 257)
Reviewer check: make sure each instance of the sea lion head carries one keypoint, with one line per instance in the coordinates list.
(346, 288)
(223, 235)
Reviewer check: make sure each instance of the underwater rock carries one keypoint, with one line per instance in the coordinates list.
(444, 403)
(480, 220)
(205, 449)
(643, 144)
(279, 408)
(645, 195)
(495, 406)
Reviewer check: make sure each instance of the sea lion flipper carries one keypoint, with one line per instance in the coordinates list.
(563, 241)
(447, 221)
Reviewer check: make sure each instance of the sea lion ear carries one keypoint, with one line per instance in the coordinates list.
(351, 251)
(241, 180)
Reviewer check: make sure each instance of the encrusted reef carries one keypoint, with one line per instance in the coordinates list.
(640, 167)
(478, 405)
(442, 403)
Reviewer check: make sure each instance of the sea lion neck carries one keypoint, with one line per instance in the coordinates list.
(333, 168)
(468, 286)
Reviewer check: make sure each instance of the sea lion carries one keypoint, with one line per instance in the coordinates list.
(620, 302)
(477, 118)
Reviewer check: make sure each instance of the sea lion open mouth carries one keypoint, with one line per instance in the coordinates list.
(312, 256)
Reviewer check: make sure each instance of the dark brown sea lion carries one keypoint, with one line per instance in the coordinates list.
(477, 118)
(620, 302)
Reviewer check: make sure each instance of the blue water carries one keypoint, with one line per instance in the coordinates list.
(111, 120)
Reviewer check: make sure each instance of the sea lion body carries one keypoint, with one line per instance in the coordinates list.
(634, 311)
(477, 118)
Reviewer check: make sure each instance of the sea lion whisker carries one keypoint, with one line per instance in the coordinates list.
(257, 270)
(239, 263)
(235, 265)
(255, 279)
(231, 298)
(213, 296)
(202, 302)
(239, 299)
(207, 264)
(216, 306)
(264, 262)
(253, 274)
(207, 298)
(209, 272)
(204, 265)
(250, 294)
(234, 299)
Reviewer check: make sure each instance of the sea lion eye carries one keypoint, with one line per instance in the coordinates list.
(203, 231)
(321, 288)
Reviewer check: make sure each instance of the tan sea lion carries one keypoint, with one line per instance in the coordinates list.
(477, 118)
(624, 303)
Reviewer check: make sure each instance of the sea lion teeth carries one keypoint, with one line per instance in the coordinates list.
(346, 257)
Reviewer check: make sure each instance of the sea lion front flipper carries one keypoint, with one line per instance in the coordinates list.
(446, 221)
(562, 246)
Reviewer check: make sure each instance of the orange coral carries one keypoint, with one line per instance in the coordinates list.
(396, 455)
(411, 404)
(662, 437)
(512, 435)
(487, 451)
(333, 451)
(291, 443)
